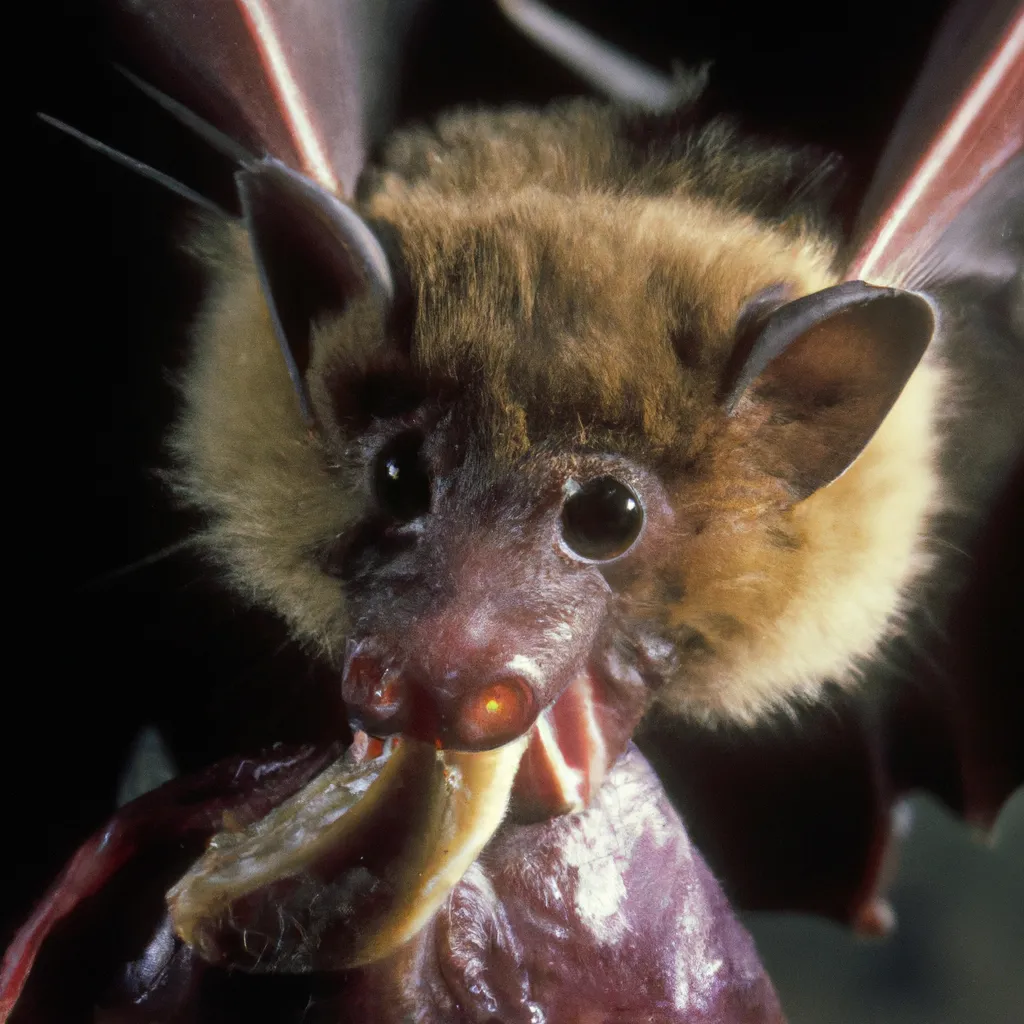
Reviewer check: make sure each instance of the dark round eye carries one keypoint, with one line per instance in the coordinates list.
(402, 479)
(602, 519)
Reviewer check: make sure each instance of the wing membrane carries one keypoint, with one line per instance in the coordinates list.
(299, 80)
(961, 130)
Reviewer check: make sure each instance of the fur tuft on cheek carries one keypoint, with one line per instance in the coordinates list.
(786, 598)
(243, 456)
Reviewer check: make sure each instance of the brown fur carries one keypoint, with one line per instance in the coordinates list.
(588, 277)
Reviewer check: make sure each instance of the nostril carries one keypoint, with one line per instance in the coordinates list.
(495, 714)
(373, 693)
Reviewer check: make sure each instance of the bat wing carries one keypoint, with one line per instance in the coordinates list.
(947, 200)
(800, 815)
(304, 81)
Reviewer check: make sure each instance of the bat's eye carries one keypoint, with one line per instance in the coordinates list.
(601, 519)
(402, 479)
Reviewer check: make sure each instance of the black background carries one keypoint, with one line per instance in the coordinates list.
(97, 323)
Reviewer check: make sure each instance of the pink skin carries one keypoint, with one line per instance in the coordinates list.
(609, 915)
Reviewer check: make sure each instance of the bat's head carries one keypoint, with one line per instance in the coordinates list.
(548, 453)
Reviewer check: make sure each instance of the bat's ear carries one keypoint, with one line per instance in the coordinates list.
(822, 372)
(314, 255)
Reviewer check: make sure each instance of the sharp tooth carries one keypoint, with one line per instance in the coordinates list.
(568, 755)
(389, 838)
(464, 808)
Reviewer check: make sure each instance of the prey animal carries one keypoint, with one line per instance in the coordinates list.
(539, 424)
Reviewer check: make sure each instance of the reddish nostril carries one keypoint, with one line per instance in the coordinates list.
(495, 714)
(363, 675)
(371, 690)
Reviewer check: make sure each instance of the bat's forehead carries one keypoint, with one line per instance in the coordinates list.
(581, 262)
(593, 309)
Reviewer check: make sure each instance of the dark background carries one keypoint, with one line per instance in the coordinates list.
(108, 298)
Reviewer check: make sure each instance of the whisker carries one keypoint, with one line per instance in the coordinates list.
(144, 169)
(220, 141)
(142, 563)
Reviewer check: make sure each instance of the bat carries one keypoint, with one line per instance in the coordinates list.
(743, 509)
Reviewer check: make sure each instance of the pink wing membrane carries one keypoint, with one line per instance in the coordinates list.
(283, 77)
(974, 142)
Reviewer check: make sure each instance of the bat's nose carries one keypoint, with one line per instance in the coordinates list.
(491, 715)
(375, 695)
(463, 714)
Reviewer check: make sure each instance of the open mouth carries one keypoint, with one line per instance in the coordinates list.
(352, 866)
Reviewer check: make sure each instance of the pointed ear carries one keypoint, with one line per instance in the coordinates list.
(823, 371)
(314, 255)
